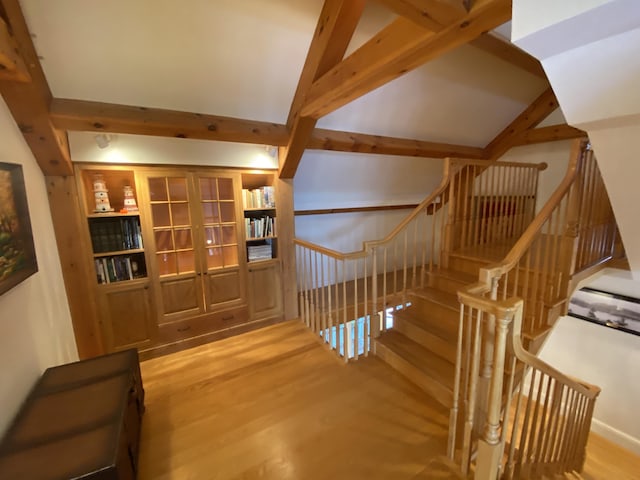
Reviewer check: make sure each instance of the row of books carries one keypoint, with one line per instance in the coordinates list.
(115, 234)
(260, 227)
(259, 252)
(262, 197)
(119, 268)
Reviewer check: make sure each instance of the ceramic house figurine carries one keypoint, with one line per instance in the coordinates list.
(101, 195)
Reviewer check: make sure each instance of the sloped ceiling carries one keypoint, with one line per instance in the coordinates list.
(243, 58)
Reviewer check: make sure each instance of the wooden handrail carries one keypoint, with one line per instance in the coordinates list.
(530, 234)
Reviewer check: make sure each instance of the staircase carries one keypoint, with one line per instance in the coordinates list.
(475, 279)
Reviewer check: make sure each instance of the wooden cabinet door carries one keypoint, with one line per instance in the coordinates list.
(127, 315)
(265, 289)
(175, 265)
(219, 241)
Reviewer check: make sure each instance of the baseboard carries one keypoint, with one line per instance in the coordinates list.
(616, 436)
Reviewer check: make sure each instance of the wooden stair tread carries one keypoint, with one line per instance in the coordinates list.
(422, 359)
(441, 297)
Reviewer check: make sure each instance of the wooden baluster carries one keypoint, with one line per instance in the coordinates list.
(462, 201)
(366, 325)
(336, 316)
(471, 403)
(525, 424)
(323, 310)
(476, 191)
(522, 202)
(356, 329)
(508, 466)
(531, 443)
(414, 281)
(330, 313)
(484, 219)
(554, 420)
(384, 289)
(453, 413)
(543, 427)
(404, 268)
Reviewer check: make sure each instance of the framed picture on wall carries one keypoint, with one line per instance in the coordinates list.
(17, 253)
(605, 308)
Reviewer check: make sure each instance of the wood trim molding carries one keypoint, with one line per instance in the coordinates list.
(378, 208)
(29, 102)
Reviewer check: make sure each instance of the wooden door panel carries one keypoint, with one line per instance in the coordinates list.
(180, 296)
(128, 316)
(223, 287)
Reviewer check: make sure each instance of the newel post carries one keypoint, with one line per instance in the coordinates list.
(489, 446)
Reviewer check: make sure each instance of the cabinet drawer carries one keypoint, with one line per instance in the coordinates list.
(202, 325)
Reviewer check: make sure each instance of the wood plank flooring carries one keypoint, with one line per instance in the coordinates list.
(275, 404)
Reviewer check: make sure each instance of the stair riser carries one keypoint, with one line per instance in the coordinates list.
(433, 313)
(441, 393)
(446, 284)
(433, 343)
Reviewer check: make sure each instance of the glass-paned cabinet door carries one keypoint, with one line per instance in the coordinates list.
(220, 237)
(172, 225)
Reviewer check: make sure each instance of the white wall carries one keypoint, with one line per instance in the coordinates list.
(35, 323)
(338, 180)
(169, 151)
(604, 357)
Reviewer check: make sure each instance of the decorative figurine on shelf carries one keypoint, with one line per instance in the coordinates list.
(101, 195)
(129, 200)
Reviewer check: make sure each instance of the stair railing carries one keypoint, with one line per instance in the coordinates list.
(344, 297)
(538, 270)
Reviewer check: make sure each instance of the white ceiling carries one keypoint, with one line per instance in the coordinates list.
(242, 58)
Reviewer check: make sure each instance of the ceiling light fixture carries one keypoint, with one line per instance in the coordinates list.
(103, 140)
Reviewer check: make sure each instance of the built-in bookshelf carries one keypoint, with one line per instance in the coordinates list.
(114, 225)
(260, 225)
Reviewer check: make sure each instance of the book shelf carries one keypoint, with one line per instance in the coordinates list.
(260, 225)
(114, 225)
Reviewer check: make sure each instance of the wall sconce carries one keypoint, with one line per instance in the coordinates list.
(103, 140)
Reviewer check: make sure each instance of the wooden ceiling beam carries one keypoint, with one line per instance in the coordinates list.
(552, 133)
(436, 17)
(337, 22)
(529, 118)
(82, 115)
(509, 53)
(433, 15)
(12, 66)
(362, 143)
(397, 49)
(29, 102)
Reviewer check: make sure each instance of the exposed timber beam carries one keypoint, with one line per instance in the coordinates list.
(529, 118)
(400, 47)
(434, 15)
(551, 133)
(83, 115)
(29, 101)
(509, 53)
(337, 22)
(12, 66)
(362, 143)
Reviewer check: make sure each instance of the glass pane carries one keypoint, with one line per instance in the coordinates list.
(177, 189)
(214, 258)
(227, 212)
(210, 212)
(164, 240)
(230, 256)
(180, 214)
(208, 189)
(166, 263)
(225, 188)
(229, 234)
(186, 262)
(183, 238)
(157, 189)
(160, 212)
(212, 236)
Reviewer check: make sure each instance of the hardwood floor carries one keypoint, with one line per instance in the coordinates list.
(275, 404)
